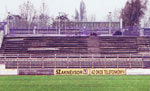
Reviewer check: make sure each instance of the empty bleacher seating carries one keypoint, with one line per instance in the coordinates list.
(70, 45)
(75, 52)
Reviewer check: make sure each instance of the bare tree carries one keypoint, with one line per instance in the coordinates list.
(28, 13)
(116, 15)
(146, 22)
(77, 15)
(44, 18)
(133, 11)
(63, 17)
(92, 18)
(83, 16)
(146, 19)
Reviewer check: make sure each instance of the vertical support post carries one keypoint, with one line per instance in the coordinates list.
(142, 28)
(92, 61)
(34, 30)
(142, 63)
(55, 55)
(141, 32)
(30, 64)
(130, 55)
(68, 63)
(17, 63)
(1, 37)
(80, 62)
(117, 63)
(130, 63)
(105, 63)
(43, 64)
(121, 25)
(55, 61)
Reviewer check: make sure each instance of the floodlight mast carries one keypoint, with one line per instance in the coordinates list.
(121, 24)
(110, 21)
(59, 23)
(8, 24)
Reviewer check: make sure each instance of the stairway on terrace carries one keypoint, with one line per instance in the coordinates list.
(93, 45)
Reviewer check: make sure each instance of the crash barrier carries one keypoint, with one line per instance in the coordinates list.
(71, 71)
(98, 71)
(2, 66)
(4, 71)
(36, 72)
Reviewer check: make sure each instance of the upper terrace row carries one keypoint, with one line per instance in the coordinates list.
(75, 45)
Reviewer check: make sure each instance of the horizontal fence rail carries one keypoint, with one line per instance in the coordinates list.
(25, 63)
(74, 61)
(75, 56)
(62, 31)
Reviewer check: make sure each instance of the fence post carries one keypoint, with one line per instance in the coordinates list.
(130, 63)
(30, 55)
(17, 63)
(55, 60)
(142, 63)
(92, 61)
(68, 63)
(130, 55)
(30, 64)
(55, 56)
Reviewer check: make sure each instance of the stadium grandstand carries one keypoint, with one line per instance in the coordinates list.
(41, 52)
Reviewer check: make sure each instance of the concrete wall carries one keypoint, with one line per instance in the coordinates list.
(2, 66)
(137, 71)
(8, 72)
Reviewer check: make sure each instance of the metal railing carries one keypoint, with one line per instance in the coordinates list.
(75, 64)
(74, 55)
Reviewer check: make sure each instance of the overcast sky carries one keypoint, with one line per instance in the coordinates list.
(100, 8)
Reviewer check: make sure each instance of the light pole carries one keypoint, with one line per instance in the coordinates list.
(121, 24)
(8, 24)
(59, 24)
(142, 28)
(110, 21)
(65, 26)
